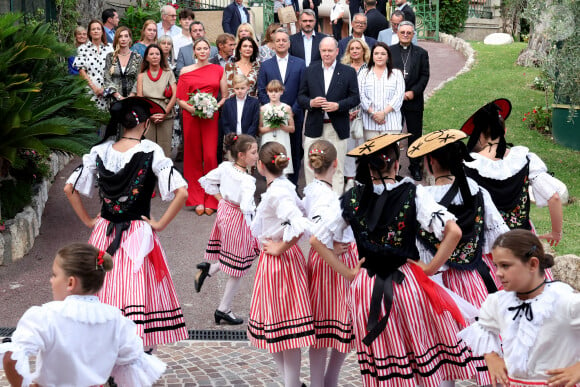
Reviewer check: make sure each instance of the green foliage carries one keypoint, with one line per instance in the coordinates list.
(67, 16)
(14, 196)
(135, 17)
(496, 75)
(42, 107)
(452, 16)
(539, 119)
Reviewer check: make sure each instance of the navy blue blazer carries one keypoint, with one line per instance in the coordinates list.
(343, 89)
(231, 19)
(269, 70)
(297, 46)
(250, 116)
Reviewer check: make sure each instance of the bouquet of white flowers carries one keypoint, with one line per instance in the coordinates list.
(204, 103)
(275, 116)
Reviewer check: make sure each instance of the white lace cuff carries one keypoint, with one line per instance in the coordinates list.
(480, 341)
(169, 180)
(22, 362)
(295, 228)
(145, 371)
(544, 186)
(209, 186)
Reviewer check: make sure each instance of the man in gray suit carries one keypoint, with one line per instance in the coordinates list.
(389, 35)
(185, 56)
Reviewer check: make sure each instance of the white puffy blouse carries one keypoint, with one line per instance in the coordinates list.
(323, 209)
(543, 185)
(280, 216)
(531, 343)
(234, 185)
(168, 179)
(493, 222)
(80, 342)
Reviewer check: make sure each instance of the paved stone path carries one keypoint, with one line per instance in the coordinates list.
(191, 363)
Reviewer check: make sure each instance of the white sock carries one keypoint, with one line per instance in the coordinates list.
(279, 360)
(292, 367)
(214, 268)
(333, 368)
(317, 366)
(231, 290)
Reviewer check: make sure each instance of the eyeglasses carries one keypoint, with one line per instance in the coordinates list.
(172, 16)
(395, 24)
(406, 32)
(360, 23)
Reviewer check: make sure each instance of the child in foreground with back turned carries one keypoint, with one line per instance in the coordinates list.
(77, 340)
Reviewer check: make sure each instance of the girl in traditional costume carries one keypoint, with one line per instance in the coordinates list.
(126, 169)
(529, 332)
(405, 324)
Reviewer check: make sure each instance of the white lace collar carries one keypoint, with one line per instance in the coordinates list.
(523, 332)
(84, 309)
(501, 169)
(380, 188)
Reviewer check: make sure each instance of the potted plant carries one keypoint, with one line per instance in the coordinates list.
(562, 64)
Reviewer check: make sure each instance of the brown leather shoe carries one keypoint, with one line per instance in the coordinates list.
(200, 210)
(209, 211)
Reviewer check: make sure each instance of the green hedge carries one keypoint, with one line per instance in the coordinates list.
(452, 16)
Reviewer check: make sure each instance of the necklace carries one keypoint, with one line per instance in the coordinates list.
(324, 181)
(127, 53)
(533, 290)
(405, 60)
(448, 177)
(243, 169)
(131, 138)
(151, 76)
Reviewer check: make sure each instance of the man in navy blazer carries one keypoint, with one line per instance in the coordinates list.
(250, 116)
(270, 70)
(359, 25)
(328, 91)
(306, 36)
(234, 15)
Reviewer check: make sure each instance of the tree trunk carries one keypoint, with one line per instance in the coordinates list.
(538, 47)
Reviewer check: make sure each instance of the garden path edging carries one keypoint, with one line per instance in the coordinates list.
(18, 237)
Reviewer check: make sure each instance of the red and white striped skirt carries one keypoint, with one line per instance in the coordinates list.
(418, 345)
(231, 241)
(526, 383)
(280, 312)
(329, 300)
(151, 304)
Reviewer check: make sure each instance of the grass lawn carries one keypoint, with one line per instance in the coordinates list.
(496, 75)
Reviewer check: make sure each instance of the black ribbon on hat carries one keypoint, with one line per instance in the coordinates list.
(119, 229)
(382, 290)
(525, 309)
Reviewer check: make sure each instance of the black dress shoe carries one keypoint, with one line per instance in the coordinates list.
(228, 317)
(416, 173)
(201, 275)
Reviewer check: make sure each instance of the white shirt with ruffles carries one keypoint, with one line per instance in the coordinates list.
(323, 209)
(234, 185)
(280, 216)
(80, 342)
(543, 185)
(114, 160)
(140, 242)
(550, 340)
(493, 222)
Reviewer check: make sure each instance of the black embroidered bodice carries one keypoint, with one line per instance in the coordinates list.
(510, 196)
(468, 252)
(384, 226)
(126, 195)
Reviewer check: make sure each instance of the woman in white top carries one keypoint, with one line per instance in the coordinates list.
(90, 61)
(77, 341)
(381, 89)
(231, 247)
(529, 333)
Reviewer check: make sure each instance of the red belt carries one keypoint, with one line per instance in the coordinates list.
(327, 121)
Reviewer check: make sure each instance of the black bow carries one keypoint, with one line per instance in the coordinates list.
(383, 289)
(437, 214)
(525, 309)
(119, 228)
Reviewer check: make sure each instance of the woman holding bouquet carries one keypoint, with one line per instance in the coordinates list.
(276, 122)
(200, 123)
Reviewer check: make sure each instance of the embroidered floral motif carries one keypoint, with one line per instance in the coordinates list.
(122, 203)
(519, 216)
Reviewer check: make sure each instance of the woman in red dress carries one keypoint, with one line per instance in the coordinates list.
(200, 136)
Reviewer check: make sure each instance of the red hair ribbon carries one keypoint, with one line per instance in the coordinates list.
(100, 260)
(235, 138)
